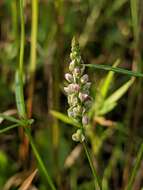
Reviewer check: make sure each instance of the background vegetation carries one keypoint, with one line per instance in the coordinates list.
(110, 34)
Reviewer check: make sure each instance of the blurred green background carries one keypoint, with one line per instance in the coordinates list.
(109, 31)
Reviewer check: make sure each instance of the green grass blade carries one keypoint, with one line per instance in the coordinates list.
(119, 93)
(111, 101)
(136, 167)
(116, 70)
(9, 128)
(96, 177)
(64, 118)
(107, 81)
(9, 118)
(39, 159)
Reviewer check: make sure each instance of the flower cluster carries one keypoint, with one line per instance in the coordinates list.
(77, 90)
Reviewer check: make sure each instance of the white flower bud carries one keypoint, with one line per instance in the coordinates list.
(69, 77)
(72, 100)
(66, 89)
(78, 136)
(72, 65)
(77, 72)
(73, 88)
(85, 120)
(77, 110)
(84, 79)
(83, 97)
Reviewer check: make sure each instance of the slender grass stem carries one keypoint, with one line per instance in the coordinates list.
(34, 35)
(19, 74)
(39, 159)
(96, 178)
(22, 38)
(33, 55)
(135, 169)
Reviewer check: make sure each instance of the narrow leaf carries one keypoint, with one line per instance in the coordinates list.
(135, 169)
(107, 81)
(117, 70)
(64, 118)
(106, 108)
(119, 93)
(8, 128)
(9, 118)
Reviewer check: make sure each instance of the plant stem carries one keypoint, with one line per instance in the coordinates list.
(97, 180)
(33, 55)
(19, 73)
(39, 159)
(34, 30)
(22, 38)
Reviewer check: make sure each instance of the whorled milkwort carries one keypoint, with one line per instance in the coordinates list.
(77, 90)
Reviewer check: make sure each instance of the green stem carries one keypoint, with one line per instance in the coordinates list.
(135, 169)
(97, 180)
(34, 35)
(33, 56)
(22, 38)
(39, 159)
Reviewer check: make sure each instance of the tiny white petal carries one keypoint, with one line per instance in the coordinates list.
(69, 77)
(85, 120)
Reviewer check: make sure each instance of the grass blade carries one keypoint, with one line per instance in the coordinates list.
(96, 177)
(116, 70)
(119, 93)
(9, 118)
(135, 169)
(64, 118)
(8, 128)
(39, 159)
(107, 81)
